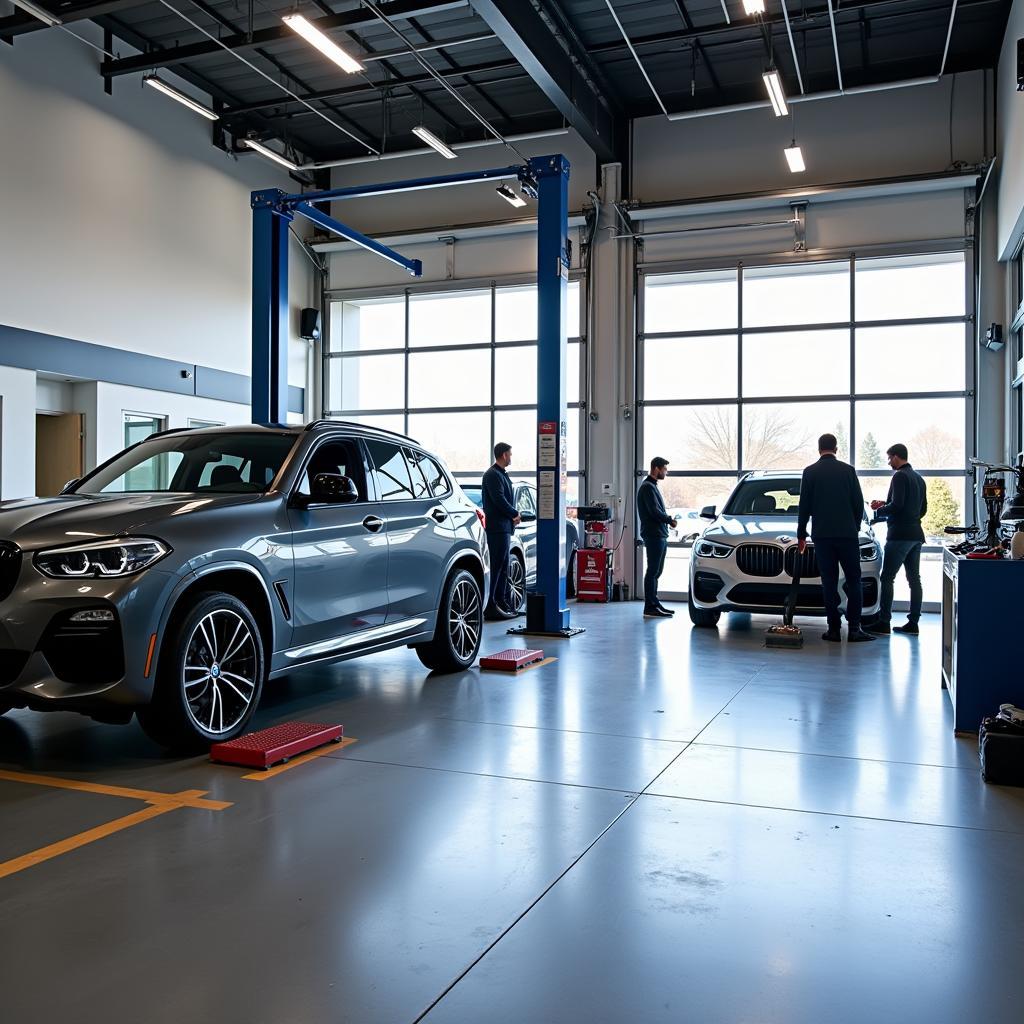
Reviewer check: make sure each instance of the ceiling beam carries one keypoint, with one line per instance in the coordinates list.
(524, 33)
(361, 18)
(19, 23)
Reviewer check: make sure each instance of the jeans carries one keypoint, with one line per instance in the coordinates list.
(901, 554)
(833, 552)
(500, 547)
(657, 548)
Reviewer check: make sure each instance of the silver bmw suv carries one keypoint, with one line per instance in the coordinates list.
(745, 559)
(176, 579)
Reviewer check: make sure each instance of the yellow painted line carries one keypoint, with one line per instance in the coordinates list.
(45, 853)
(329, 748)
(186, 798)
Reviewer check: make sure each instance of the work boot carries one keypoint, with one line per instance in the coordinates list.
(879, 628)
(833, 636)
(908, 629)
(858, 636)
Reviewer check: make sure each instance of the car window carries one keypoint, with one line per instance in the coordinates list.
(394, 482)
(765, 498)
(340, 457)
(524, 500)
(435, 478)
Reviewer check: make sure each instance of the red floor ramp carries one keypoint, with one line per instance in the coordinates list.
(511, 660)
(271, 746)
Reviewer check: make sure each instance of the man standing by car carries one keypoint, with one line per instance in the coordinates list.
(830, 496)
(654, 524)
(903, 510)
(502, 518)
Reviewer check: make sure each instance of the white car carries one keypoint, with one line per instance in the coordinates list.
(744, 559)
(688, 526)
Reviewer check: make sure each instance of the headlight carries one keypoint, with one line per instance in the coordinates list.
(709, 549)
(868, 552)
(106, 558)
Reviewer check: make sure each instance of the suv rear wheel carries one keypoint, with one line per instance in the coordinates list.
(702, 616)
(210, 676)
(459, 626)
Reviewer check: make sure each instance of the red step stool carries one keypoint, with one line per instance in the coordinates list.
(270, 746)
(511, 660)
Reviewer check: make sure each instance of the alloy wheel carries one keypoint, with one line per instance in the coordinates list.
(516, 584)
(464, 616)
(218, 676)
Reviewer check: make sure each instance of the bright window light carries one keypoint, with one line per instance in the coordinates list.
(509, 196)
(168, 90)
(795, 159)
(753, 7)
(773, 83)
(329, 48)
(38, 12)
(427, 136)
(270, 154)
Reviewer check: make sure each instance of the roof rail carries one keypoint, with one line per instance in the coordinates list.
(170, 430)
(314, 424)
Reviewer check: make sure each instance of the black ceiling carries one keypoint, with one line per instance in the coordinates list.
(522, 65)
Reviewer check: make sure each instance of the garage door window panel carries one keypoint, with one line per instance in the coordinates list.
(816, 293)
(368, 324)
(796, 363)
(450, 318)
(462, 438)
(691, 302)
(784, 436)
(913, 357)
(911, 287)
(933, 429)
(368, 382)
(692, 437)
(698, 367)
(441, 380)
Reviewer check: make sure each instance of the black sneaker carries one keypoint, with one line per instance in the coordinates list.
(833, 636)
(879, 628)
(667, 611)
(909, 629)
(656, 613)
(858, 636)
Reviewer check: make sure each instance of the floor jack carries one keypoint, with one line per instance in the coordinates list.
(787, 635)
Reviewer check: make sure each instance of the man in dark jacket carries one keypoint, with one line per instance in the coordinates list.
(903, 510)
(654, 524)
(830, 496)
(502, 517)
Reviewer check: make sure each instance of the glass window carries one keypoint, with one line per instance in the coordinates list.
(796, 363)
(515, 375)
(933, 429)
(785, 436)
(698, 367)
(519, 429)
(450, 318)
(690, 302)
(339, 458)
(368, 382)
(515, 312)
(524, 500)
(812, 293)
(925, 357)
(572, 440)
(691, 437)
(685, 496)
(366, 324)
(437, 485)
(138, 428)
(395, 422)
(572, 371)
(441, 379)
(462, 439)
(152, 474)
(391, 471)
(902, 287)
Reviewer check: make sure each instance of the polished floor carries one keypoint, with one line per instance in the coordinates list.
(661, 825)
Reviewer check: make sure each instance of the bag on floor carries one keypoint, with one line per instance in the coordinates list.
(1001, 747)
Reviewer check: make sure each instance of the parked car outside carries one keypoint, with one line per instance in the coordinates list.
(688, 526)
(176, 579)
(745, 557)
(523, 567)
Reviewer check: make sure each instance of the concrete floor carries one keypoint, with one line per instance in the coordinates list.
(661, 825)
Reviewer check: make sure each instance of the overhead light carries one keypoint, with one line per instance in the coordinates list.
(270, 154)
(329, 48)
(37, 12)
(427, 136)
(753, 7)
(795, 159)
(773, 83)
(168, 90)
(509, 196)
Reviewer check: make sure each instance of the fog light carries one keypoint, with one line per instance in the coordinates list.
(94, 615)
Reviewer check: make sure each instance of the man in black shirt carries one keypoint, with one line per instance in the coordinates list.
(501, 518)
(654, 524)
(830, 496)
(903, 510)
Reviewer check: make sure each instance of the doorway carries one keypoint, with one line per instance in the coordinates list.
(59, 456)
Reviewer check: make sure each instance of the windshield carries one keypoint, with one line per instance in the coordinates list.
(771, 497)
(188, 462)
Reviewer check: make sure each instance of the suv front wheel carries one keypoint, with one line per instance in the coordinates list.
(459, 626)
(702, 616)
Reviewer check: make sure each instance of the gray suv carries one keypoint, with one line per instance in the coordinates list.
(175, 579)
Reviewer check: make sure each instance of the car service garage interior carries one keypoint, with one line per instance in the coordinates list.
(511, 511)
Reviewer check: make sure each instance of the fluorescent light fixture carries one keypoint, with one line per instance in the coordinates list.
(329, 48)
(427, 136)
(509, 196)
(168, 90)
(773, 83)
(753, 7)
(270, 154)
(795, 159)
(37, 12)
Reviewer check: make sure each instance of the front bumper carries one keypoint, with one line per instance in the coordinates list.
(48, 662)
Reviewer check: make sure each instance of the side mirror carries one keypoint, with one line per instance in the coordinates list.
(708, 512)
(528, 517)
(333, 489)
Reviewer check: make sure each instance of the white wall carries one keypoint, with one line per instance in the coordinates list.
(17, 433)
(122, 224)
(1011, 138)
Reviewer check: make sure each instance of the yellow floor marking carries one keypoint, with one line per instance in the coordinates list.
(45, 853)
(186, 798)
(329, 748)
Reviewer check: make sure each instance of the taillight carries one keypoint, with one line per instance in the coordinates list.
(483, 519)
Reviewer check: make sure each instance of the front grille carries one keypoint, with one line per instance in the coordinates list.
(773, 595)
(10, 568)
(759, 559)
(84, 654)
(808, 563)
(11, 664)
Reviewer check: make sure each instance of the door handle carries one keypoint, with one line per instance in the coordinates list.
(439, 515)
(373, 524)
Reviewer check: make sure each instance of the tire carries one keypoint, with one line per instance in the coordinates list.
(459, 626)
(517, 584)
(190, 710)
(570, 572)
(706, 617)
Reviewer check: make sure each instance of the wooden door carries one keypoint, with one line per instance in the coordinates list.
(58, 451)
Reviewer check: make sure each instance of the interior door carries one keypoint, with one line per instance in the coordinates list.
(58, 451)
(340, 552)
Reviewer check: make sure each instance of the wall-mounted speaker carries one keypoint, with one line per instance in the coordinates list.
(309, 325)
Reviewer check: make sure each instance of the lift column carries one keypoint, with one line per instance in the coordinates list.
(551, 174)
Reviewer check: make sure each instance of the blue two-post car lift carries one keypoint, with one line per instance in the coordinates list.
(545, 177)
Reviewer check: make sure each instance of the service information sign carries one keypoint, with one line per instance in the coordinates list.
(546, 494)
(547, 445)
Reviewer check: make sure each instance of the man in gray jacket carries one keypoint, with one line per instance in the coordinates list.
(654, 524)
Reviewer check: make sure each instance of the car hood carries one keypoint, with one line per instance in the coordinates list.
(34, 523)
(780, 529)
